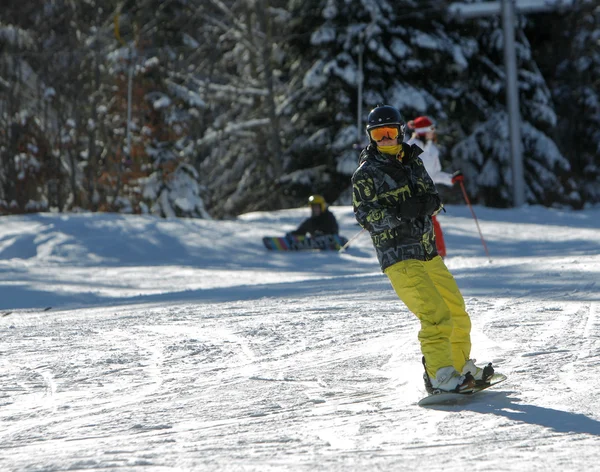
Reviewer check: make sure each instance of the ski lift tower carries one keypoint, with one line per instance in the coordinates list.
(507, 9)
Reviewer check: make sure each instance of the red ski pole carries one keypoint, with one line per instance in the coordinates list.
(462, 186)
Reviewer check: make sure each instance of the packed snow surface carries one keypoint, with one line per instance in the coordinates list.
(134, 343)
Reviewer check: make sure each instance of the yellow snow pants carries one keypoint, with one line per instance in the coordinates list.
(429, 290)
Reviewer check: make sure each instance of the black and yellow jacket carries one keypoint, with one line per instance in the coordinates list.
(393, 199)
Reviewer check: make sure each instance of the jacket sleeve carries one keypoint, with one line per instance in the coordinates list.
(431, 159)
(370, 213)
(305, 227)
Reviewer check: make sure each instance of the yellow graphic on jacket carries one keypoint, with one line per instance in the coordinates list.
(375, 216)
(379, 239)
(397, 194)
(428, 242)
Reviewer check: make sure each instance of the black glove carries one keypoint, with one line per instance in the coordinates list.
(408, 209)
(431, 204)
(419, 206)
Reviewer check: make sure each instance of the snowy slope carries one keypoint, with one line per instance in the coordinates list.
(184, 345)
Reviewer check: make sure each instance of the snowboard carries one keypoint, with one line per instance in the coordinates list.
(326, 242)
(458, 398)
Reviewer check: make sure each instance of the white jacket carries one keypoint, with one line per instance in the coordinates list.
(431, 160)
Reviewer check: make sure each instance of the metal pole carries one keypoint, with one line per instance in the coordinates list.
(345, 246)
(512, 99)
(360, 80)
(129, 88)
(464, 191)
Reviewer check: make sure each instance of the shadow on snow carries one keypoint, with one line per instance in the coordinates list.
(501, 404)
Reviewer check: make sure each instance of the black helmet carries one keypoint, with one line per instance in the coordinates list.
(385, 115)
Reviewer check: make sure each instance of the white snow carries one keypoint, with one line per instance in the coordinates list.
(315, 76)
(190, 97)
(183, 345)
(403, 95)
(162, 102)
(424, 40)
(325, 34)
(399, 48)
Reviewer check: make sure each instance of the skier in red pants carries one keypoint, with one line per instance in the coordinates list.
(425, 136)
(439, 237)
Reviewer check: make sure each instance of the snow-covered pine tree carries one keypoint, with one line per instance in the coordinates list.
(172, 190)
(21, 165)
(409, 61)
(483, 153)
(326, 36)
(241, 77)
(421, 62)
(167, 107)
(566, 46)
(260, 96)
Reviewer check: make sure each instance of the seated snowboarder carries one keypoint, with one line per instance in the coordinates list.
(321, 221)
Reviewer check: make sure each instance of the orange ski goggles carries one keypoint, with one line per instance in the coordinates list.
(384, 132)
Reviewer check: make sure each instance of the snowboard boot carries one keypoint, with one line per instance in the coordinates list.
(447, 380)
(481, 375)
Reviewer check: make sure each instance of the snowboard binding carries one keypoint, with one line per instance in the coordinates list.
(469, 379)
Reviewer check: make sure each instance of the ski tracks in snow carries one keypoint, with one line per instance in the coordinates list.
(281, 384)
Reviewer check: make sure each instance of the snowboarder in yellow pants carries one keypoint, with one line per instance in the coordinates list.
(394, 198)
